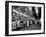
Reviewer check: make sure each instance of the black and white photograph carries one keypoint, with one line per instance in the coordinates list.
(25, 18)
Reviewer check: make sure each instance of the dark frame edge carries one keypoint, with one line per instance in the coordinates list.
(6, 18)
(44, 18)
(25, 2)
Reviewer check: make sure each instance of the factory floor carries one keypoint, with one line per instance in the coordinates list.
(31, 27)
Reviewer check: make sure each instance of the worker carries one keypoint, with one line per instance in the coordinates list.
(18, 23)
(27, 22)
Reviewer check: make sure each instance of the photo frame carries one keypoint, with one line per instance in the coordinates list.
(31, 15)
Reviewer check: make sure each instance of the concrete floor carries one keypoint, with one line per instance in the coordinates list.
(31, 27)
